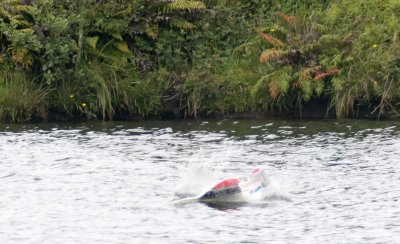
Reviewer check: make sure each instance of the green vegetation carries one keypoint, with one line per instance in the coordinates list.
(124, 59)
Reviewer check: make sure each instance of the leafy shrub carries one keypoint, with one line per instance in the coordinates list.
(350, 53)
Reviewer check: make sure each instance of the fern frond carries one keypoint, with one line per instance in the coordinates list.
(251, 46)
(114, 54)
(271, 54)
(274, 90)
(123, 47)
(308, 72)
(288, 19)
(92, 41)
(270, 39)
(12, 2)
(111, 51)
(126, 12)
(280, 81)
(181, 24)
(3, 13)
(26, 9)
(328, 40)
(21, 23)
(114, 26)
(117, 36)
(306, 88)
(151, 30)
(338, 84)
(319, 87)
(259, 84)
(326, 74)
(184, 5)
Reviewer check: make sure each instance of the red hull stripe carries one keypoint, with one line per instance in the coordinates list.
(227, 183)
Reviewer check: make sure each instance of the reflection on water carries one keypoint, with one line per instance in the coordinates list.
(226, 206)
(114, 182)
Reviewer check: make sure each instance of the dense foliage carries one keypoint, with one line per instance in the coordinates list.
(127, 58)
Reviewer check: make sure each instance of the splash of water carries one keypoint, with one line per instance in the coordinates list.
(195, 180)
(276, 191)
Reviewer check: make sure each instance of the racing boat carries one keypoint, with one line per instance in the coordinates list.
(233, 191)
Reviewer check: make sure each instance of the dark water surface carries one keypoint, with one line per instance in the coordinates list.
(113, 182)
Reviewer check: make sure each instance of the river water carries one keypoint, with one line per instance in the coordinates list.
(113, 182)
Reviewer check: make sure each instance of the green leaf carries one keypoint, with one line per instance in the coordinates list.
(92, 41)
(117, 36)
(123, 47)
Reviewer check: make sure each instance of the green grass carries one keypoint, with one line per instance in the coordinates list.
(21, 100)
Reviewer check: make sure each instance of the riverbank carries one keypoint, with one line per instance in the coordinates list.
(313, 110)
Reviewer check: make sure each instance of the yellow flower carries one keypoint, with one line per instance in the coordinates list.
(375, 45)
(72, 96)
(83, 104)
(272, 30)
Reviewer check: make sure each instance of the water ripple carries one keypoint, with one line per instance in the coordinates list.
(112, 182)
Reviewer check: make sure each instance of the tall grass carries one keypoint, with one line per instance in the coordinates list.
(104, 91)
(21, 100)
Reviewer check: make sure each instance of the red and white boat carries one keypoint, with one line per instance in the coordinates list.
(233, 191)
